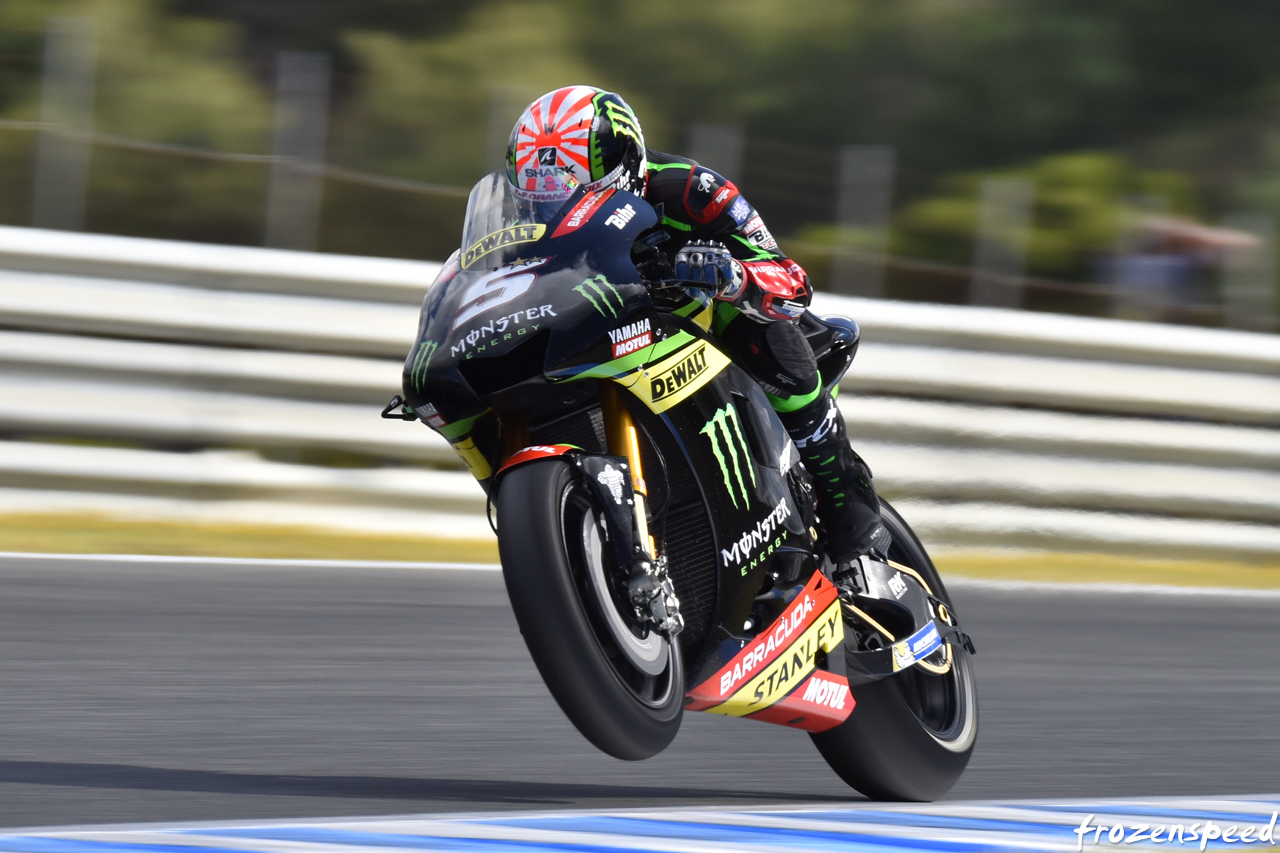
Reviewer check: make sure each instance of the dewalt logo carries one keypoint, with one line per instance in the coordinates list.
(730, 448)
(421, 361)
(601, 294)
(677, 377)
(505, 237)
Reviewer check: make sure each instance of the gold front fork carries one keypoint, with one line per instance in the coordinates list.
(620, 430)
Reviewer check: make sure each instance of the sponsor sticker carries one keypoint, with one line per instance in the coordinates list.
(826, 691)
(612, 479)
(760, 541)
(729, 445)
(919, 645)
(776, 663)
(897, 585)
(631, 337)
(678, 376)
(740, 210)
(759, 235)
(505, 237)
(581, 213)
(788, 670)
(621, 216)
(430, 416)
(497, 332)
(537, 451)
(601, 294)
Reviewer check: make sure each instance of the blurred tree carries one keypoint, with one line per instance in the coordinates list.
(1080, 203)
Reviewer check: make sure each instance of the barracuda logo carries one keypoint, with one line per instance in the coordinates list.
(730, 447)
(421, 360)
(599, 287)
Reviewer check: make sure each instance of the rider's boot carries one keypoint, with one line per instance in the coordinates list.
(848, 507)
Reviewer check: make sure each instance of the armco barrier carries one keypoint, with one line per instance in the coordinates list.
(991, 427)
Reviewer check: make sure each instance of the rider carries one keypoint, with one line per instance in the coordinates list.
(717, 238)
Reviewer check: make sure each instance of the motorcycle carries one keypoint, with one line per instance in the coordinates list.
(657, 531)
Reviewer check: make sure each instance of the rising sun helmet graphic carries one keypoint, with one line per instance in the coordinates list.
(575, 135)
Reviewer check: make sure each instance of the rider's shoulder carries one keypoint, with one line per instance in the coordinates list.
(702, 193)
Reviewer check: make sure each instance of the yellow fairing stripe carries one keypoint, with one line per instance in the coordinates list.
(789, 670)
(677, 377)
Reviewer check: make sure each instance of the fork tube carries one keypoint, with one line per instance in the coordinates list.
(513, 431)
(620, 430)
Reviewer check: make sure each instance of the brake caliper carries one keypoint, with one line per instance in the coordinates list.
(654, 596)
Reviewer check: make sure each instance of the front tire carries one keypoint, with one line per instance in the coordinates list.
(910, 736)
(553, 561)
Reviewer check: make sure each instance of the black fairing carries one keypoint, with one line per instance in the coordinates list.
(533, 337)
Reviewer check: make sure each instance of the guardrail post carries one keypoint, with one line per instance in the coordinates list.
(999, 258)
(66, 111)
(718, 147)
(862, 220)
(301, 118)
(1249, 281)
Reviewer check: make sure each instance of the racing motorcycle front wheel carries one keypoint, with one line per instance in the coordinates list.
(910, 736)
(619, 683)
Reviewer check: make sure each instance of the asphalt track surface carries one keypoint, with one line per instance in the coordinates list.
(186, 691)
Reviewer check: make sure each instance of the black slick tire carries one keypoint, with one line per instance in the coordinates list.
(629, 715)
(910, 736)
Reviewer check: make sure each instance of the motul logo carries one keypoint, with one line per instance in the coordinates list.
(829, 693)
(631, 337)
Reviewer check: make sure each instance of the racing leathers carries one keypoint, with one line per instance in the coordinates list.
(755, 323)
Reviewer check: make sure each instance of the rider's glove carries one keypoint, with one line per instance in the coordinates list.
(710, 263)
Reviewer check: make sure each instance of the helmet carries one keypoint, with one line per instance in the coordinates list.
(575, 135)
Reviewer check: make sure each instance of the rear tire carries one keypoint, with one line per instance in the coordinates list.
(550, 560)
(910, 736)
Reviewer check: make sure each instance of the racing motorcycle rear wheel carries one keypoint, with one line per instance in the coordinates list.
(620, 684)
(910, 736)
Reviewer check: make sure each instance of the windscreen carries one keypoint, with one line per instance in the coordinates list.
(498, 223)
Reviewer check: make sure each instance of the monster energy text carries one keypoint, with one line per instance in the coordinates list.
(421, 360)
(767, 533)
(730, 448)
(600, 289)
(497, 332)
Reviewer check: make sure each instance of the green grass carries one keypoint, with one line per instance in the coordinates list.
(1107, 568)
(82, 533)
(78, 533)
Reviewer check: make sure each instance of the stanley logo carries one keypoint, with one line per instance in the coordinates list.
(505, 237)
(730, 448)
(601, 294)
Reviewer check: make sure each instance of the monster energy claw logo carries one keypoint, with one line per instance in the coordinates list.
(606, 292)
(421, 360)
(730, 447)
(624, 123)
